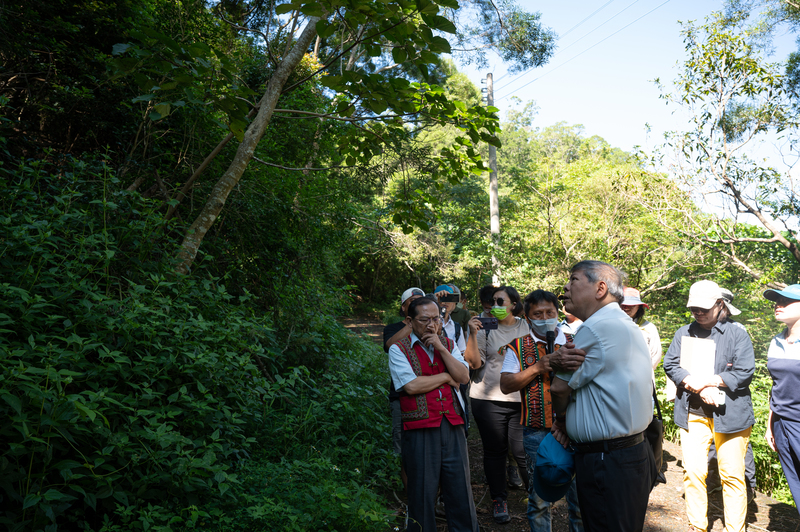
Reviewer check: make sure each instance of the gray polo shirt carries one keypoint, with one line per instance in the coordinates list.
(612, 390)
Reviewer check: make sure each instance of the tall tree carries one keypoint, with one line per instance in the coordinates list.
(363, 48)
(738, 107)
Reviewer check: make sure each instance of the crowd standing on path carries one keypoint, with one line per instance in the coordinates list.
(564, 409)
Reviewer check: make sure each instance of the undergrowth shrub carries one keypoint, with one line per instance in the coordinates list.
(138, 400)
(121, 385)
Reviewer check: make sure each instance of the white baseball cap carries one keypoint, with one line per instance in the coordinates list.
(704, 294)
(411, 292)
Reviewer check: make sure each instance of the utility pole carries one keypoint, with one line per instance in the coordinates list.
(494, 204)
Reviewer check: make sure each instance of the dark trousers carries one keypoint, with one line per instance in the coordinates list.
(787, 441)
(614, 487)
(498, 424)
(433, 457)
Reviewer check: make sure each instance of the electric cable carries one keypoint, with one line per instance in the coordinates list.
(575, 42)
(498, 98)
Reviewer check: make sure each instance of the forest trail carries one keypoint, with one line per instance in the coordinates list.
(666, 510)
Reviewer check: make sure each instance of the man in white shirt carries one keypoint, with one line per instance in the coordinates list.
(605, 405)
(427, 370)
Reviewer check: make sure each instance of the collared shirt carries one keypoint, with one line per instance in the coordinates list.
(570, 328)
(734, 362)
(450, 331)
(401, 370)
(612, 390)
(783, 363)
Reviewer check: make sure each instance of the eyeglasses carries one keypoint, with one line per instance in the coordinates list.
(498, 301)
(698, 310)
(426, 321)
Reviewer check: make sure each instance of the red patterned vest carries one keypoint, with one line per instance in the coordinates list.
(537, 405)
(426, 410)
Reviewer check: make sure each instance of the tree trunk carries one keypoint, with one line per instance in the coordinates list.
(197, 231)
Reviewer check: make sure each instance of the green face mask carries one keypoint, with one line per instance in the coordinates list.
(499, 312)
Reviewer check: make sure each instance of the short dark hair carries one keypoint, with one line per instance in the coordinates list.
(538, 296)
(412, 308)
(485, 294)
(513, 295)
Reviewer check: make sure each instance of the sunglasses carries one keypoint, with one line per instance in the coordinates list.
(498, 301)
(782, 301)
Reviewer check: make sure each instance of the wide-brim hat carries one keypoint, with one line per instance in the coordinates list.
(632, 298)
(554, 470)
(704, 295)
(414, 291)
(790, 292)
(727, 297)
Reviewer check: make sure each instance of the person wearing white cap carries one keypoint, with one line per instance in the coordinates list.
(783, 363)
(392, 334)
(712, 403)
(634, 307)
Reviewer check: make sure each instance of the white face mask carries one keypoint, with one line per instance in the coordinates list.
(540, 327)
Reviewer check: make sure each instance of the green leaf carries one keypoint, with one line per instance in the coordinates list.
(312, 10)
(284, 8)
(120, 48)
(324, 29)
(31, 499)
(161, 109)
(439, 44)
(399, 54)
(14, 402)
(440, 23)
(55, 495)
(91, 414)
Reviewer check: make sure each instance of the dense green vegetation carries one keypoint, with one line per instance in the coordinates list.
(181, 227)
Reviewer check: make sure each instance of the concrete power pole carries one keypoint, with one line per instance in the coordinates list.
(494, 204)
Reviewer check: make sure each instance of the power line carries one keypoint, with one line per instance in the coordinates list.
(602, 24)
(584, 20)
(564, 34)
(574, 42)
(581, 53)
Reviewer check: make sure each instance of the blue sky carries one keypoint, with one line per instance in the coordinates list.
(603, 80)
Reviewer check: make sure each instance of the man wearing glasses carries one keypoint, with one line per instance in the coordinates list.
(427, 370)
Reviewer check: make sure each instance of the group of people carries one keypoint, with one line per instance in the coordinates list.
(586, 385)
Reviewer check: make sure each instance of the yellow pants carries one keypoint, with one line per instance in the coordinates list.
(731, 448)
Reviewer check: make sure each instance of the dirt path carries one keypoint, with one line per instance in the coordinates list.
(666, 510)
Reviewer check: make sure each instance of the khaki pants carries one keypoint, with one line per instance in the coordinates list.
(731, 448)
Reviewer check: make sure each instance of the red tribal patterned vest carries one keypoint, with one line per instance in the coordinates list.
(537, 405)
(426, 410)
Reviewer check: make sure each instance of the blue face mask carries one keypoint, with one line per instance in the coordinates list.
(540, 327)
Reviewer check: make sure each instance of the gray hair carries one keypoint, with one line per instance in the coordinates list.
(596, 270)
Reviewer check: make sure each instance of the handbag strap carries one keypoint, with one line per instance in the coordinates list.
(658, 406)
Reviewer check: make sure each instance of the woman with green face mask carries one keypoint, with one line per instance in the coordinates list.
(497, 414)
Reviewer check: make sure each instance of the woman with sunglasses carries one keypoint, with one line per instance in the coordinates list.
(783, 363)
(497, 414)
